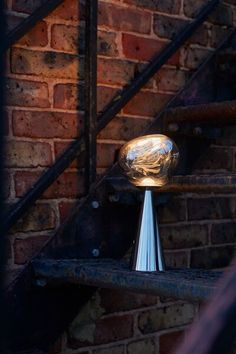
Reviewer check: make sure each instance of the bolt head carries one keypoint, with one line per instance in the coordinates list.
(95, 252)
(95, 204)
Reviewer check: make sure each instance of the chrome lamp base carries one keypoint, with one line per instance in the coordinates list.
(148, 255)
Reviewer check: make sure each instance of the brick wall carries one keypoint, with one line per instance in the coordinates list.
(45, 111)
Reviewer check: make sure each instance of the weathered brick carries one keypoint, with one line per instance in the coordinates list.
(61, 146)
(178, 259)
(108, 43)
(218, 34)
(211, 208)
(167, 27)
(65, 208)
(25, 249)
(65, 38)
(69, 96)
(38, 36)
(195, 56)
(124, 19)
(172, 211)
(110, 329)
(171, 79)
(106, 154)
(200, 36)
(37, 124)
(119, 300)
(167, 317)
(140, 48)
(154, 102)
(69, 10)
(124, 128)
(26, 93)
(169, 342)
(212, 257)
(26, 6)
(217, 158)
(40, 217)
(224, 232)
(7, 185)
(147, 345)
(46, 64)
(118, 349)
(104, 96)
(167, 6)
(28, 154)
(114, 71)
(68, 184)
(223, 15)
(184, 236)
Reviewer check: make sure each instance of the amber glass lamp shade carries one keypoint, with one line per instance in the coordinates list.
(149, 160)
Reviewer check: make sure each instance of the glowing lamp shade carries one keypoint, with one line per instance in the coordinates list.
(149, 160)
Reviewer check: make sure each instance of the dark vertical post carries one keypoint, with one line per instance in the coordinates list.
(3, 324)
(91, 90)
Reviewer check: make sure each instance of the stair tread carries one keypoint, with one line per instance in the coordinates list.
(219, 113)
(191, 284)
(204, 182)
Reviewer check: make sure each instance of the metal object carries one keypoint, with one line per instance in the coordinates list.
(95, 252)
(28, 23)
(188, 284)
(90, 92)
(148, 162)
(95, 204)
(75, 148)
(148, 256)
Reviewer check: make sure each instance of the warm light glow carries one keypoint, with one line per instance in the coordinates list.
(149, 160)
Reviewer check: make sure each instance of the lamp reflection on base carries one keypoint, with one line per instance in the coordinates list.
(148, 255)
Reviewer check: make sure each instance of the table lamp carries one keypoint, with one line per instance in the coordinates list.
(148, 162)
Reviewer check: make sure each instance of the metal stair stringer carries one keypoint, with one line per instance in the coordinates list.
(94, 229)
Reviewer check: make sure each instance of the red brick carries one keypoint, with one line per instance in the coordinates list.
(167, 6)
(212, 257)
(40, 217)
(119, 300)
(124, 128)
(173, 211)
(184, 236)
(168, 27)
(141, 346)
(26, 93)
(60, 147)
(123, 19)
(104, 96)
(6, 185)
(65, 38)
(178, 259)
(115, 72)
(108, 43)
(106, 154)
(69, 10)
(225, 232)
(170, 316)
(217, 158)
(46, 124)
(195, 56)
(141, 48)
(154, 102)
(28, 154)
(38, 36)
(170, 79)
(66, 96)
(64, 209)
(46, 64)
(25, 249)
(169, 342)
(110, 329)
(68, 184)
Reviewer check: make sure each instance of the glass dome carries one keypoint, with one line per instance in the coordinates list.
(149, 160)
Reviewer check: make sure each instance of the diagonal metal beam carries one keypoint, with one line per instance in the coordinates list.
(27, 24)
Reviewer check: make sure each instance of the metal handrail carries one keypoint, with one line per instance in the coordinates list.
(77, 146)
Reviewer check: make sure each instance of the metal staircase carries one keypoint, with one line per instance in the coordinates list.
(52, 287)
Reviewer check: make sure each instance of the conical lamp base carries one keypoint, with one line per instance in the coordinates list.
(148, 256)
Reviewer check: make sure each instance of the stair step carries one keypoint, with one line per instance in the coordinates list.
(216, 113)
(189, 183)
(189, 284)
